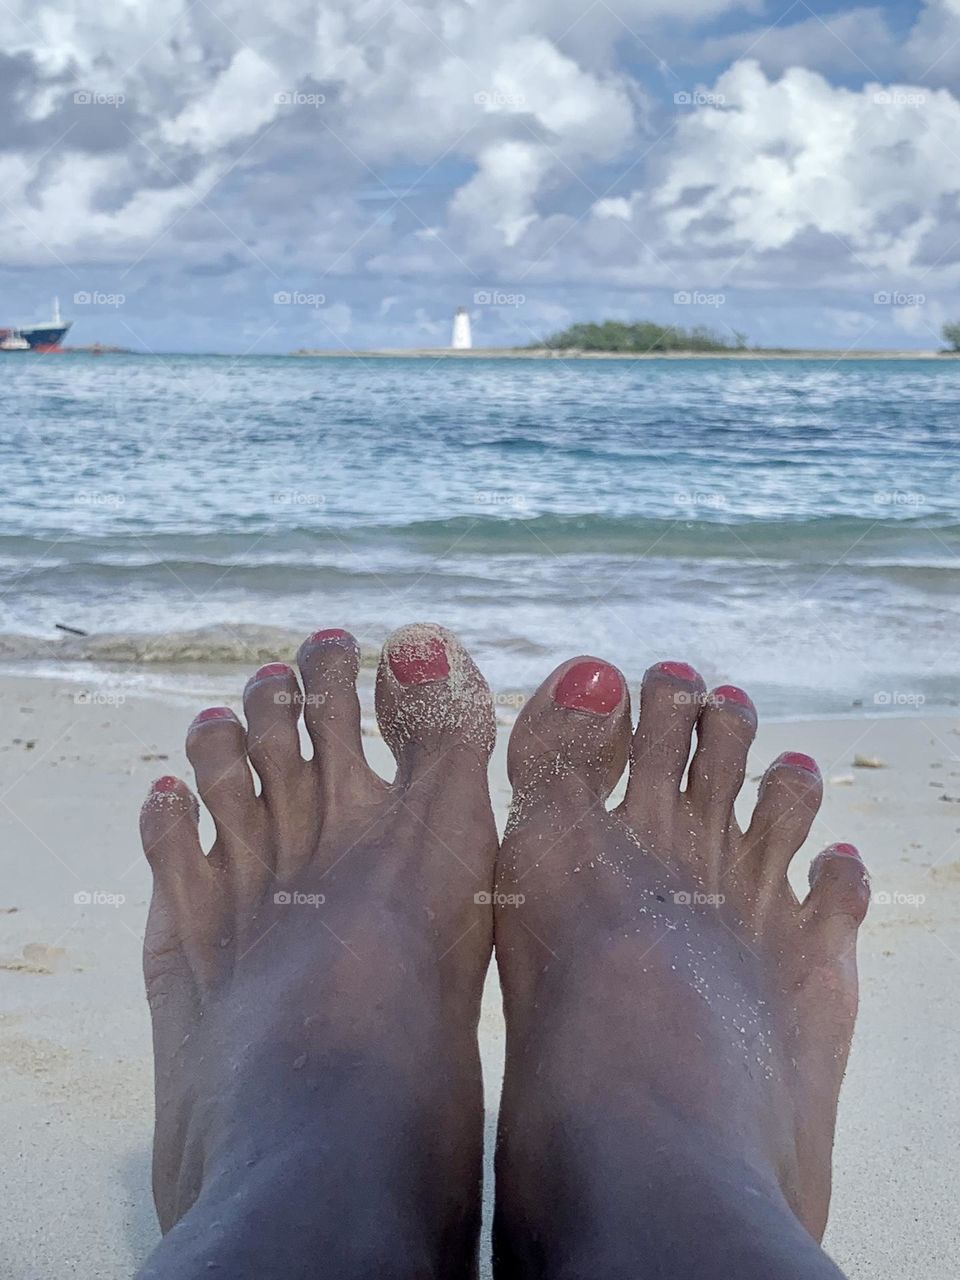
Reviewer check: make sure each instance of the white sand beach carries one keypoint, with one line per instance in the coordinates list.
(75, 1070)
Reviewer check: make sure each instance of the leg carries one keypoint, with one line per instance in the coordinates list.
(315, 980)
(677, 1022)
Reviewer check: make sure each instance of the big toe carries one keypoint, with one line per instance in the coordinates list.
(432, 702)
(576, 726)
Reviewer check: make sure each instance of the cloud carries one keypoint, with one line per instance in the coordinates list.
(796, 154)
(856, 40)
(398, 157)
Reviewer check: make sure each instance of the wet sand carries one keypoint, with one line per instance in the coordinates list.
(75, 1072)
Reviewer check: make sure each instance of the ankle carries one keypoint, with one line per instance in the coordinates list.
(662, 1196)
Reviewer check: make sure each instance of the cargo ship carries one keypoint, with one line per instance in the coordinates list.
(36, 337)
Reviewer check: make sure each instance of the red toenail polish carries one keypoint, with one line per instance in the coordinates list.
(590, 686)
(272, 669)
(419, 663)
(846, 850)
(332, 633)
(798, 760)
(730, 693)
(678, 670)
(214, 713)
(167, 783)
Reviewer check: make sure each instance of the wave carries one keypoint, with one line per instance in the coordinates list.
(224, 643)
(719, 535)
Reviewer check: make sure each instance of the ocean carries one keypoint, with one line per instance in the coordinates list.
(791, 526)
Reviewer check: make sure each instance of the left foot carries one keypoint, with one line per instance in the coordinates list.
(315, 980)
(678, 1023)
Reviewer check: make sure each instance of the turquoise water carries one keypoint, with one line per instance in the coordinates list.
(790, 525)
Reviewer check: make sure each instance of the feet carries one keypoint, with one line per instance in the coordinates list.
(678, 1023)
(315, 980)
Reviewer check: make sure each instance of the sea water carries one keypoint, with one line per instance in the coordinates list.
(792, 526)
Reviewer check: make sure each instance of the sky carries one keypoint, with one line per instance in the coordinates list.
(342, 174)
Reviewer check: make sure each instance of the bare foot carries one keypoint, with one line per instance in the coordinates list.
(315, 980)
(678, 1023)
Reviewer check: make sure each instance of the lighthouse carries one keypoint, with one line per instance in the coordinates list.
(461, 340)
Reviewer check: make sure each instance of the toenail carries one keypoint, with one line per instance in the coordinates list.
(331, 633)
(214, 713)
(798, 761)
(678, 670)
(845, 850)
(166, 783)
(590, 686)
(730, 693)
(272, 669)
(419, 661)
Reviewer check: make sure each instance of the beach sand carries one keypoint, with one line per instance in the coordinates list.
(75, 1071)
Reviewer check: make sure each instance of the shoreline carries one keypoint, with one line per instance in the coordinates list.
(827, 355)
(106, 684)
(545, 353)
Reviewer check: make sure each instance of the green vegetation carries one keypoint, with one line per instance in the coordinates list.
(642, 336)
(951, 334)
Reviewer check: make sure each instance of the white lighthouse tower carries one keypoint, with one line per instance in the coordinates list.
(461, 340)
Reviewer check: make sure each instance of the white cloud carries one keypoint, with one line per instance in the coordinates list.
(498, 201)
(238, 102)
(797, 154)
(456, 141)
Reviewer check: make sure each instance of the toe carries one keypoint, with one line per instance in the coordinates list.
(839, 885)
(788, 801)
(168, 828)
(577, 724)
(725, 730)
(216, 748)
(329, 664)
(432, 702)
(184, 912)
(271, 703)
(671, 697)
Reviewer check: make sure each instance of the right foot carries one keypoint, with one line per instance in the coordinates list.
(678, 1023)
(315, 980)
